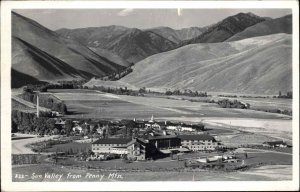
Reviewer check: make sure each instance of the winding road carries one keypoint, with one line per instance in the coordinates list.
(18, 146)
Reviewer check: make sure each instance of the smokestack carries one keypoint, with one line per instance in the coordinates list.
(37, 106)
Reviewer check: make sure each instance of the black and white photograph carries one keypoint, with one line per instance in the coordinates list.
(148, 94)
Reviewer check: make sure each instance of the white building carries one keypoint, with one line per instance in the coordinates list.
(200, 142)
(111, 145)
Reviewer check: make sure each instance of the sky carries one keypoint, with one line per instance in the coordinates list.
(138, 18)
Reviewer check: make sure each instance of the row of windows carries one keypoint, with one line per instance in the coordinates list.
(188, 141)
(108, 144)
(200, 146)
(108, 149)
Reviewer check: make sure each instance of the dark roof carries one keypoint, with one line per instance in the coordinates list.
(138, 140)
(162, 137)
(113, 141)
(197, 137)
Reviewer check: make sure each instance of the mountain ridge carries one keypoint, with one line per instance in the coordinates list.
(131, 44)
(268, 27)
(45, 55)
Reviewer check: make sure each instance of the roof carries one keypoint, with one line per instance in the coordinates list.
(162, 137)
(196, 137)
(113, 141)
(140, 141)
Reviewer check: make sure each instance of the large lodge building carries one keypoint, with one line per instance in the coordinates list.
(154, 144)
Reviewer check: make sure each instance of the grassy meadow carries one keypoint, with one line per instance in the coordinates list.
(94, 104)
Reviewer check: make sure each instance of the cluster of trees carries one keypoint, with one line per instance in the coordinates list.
(186, 92)
(234, 96)
(45, 100)
(285, 112)
(226, 103)
(117, 75)
(248, 96)
(37, 87)
(74, 84)
(117, 91)
(29, 123)
(289, 95)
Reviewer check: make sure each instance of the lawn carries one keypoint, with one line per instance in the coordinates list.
(278, 168)
(74, 146)
(269, 158)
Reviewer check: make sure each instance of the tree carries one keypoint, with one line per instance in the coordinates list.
(94, 129)
(68, 126)
(14, 126)
(56, 131)
(50, 124)
(142, 90)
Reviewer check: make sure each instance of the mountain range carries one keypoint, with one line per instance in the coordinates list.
(42, 54)
(227, 56)
(130, 44)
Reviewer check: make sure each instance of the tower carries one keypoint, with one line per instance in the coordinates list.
(37, 106)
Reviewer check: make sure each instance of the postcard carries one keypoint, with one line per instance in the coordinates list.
(149, 95)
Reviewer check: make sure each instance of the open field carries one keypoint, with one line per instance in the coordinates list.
(248, 130)
(94, 104)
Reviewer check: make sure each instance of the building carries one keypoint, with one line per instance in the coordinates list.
(152, 124)
(187, 128)
(76, 127)
(137, 149)
(199, 142)
(152, 145)
(111, 145)
(162, 144)
(59, 123)
(275, 144)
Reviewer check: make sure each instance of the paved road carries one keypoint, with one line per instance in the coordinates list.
(18, 146)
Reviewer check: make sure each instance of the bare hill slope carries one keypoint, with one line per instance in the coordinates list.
(256, 65)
